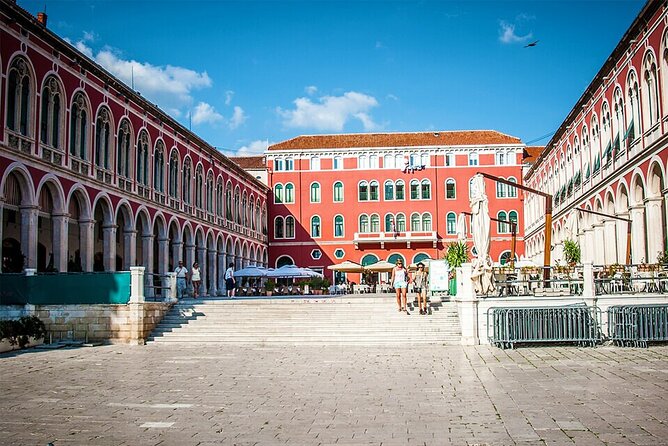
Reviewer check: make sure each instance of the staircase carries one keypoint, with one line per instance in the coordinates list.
(306, 321)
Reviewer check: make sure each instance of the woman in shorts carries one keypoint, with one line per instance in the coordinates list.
(399, 281)
(420, 281)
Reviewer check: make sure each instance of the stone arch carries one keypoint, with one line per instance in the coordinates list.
(104, 234)
(284, 260)
(144, 248)
(79, 231)
(237, 255)
(19, 220)
(126, 236)
(655, 210)
(52, 225)
(229, 251)
(160, 242)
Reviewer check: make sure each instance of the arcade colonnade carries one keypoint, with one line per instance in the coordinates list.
(60, 225)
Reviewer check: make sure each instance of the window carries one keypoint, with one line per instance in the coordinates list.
(399, 161)
(415, 189)
(500, 190)
(388, 161)
(51, 113)
(185, 182)
(289, 164)
(338, 226)
(338, 191)
(316, 254)
(451, 223)
(219, 201)
(102, 139)
(315, 226)
(199, 186)
(289, 227)
(19, 98)
(502, 228)
(415, 159)
(364, 223)
(426, 190)
(650, 92)
(279, 227)
(339, 253)
(159, 167)
(142, 158)
(512, 191)
(373, 162)
(389, 223)
(338, 163)
(228, 201)
(426, 222)
(315, 193)
(473, 159)
(389, 190)
(373, 191)
(375, 223)
(174, 175)
(450, 189)
(415, 222)
(209, 193)
(289, 193)
(79, 127)
(123, 157)
(449, 159)
(237, 205)
(512, 216)
(399, 190)
(394, 257)
(400, 221)
(363, 191)
(471, 191)
(424, 159)
(315, 163)
(362, 162)
(278, 193)
(279, 164)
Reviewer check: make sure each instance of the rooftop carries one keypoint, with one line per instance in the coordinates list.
(250, 162)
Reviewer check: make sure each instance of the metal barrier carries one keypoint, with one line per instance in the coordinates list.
(636, 325)
(509, 326)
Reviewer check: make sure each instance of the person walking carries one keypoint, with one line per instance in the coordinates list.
(196, 279)
(230, 283)
(399, 281)
(420, 281)
(181, 280)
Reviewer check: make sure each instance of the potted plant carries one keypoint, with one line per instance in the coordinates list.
(324, 285)
(662, 258)
(571, 252)
(456, 254)
(316, 285)
(270, 286)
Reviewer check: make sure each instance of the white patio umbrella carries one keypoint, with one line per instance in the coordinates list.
(483, 278)
(380, 267)
(308, 272)
(288, 271)
(461, 228)
(251, 271)
(347, 267)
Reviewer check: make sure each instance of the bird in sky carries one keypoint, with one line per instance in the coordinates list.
(532, 44)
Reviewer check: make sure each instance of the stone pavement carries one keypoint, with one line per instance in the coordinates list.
(165, 395)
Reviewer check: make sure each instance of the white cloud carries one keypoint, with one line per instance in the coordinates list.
(205, 113)
(507, 34)
(88, 36)
(254, 148)
(311, 90)
(393, 97)
(330, 113)
(238, 118)
(229, 94)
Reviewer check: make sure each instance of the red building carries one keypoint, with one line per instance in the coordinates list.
(370, 197)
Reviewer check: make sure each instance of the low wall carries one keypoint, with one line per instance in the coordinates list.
(126, 324)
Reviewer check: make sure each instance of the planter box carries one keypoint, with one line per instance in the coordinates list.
(5, 345)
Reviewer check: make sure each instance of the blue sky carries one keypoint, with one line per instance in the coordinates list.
(244, 74)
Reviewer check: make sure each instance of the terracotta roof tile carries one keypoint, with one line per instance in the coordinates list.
(531, 153)
(250, 162)
(416, 139)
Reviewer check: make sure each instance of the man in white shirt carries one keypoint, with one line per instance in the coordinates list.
(181, 276)
(230, 283)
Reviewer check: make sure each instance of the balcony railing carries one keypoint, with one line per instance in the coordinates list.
(52, 155)
(19, 142)
(407, 237)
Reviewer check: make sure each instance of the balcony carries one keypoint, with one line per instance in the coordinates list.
(407, 237)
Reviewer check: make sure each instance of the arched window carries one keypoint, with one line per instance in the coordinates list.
(278, 193)
(450, 189)
(373, 162)
(618, 121)
(375, 223)
(338, 191)
(363, 191)
(368, 260)
(394, 257)
(426, 221)
(142, 158)
(389, 190)
(244, 210)
(415, 189)
(420, 257)
(289, 193)
(338, 226)
(289, 227)
(650, 92)
(500, 190)
(362, 162)
(424, 159)
(199, 186)
(502, 228)
(186, 182)
(289, 164)
(315, 193)
(279, 164)
(388, 162)
(174, 174)
(50, 118)
(400, 222)
(315, 226)
(228, 204)
(473, 159)
(426, 189)
(19, 97)
(219, 201)
(159, 167)
(315, 163)
(399, 190)
(279, 227)
(415, 222)
(373, 191)
(399, 161)
(237, 205)
(102, 139)
(504, 258)
(123, 157)
(79, 127)
(209, 192)
(389, 223)
(364, 223)
(512, 191)
(338, 163)
(451, 223)
(633, 105)
(512, 216)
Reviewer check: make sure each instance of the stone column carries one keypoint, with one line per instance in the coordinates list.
(60, 237)
(588, 279)
(221, 273)
(622, 228)
(136, 305)
(201, 254)
(599, 244)
(163, 254)
(588, 247)
(2, 209)
(137, 284)
(130, 246)
(177, 252)
(467, 306)
(109, 247)
(147, 262)
(29, 216)
(655, 235)
(189, 260)
(638, 253)
(610, 240)
(213, 275)
(87, 243)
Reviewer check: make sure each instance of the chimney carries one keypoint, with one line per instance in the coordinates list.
(41, 18)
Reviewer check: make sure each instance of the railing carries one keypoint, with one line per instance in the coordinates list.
(580, 324)
(157, 286)
(636, 325)
(630, 279)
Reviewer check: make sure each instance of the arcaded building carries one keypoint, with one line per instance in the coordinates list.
(93, 177)
(610, 156)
